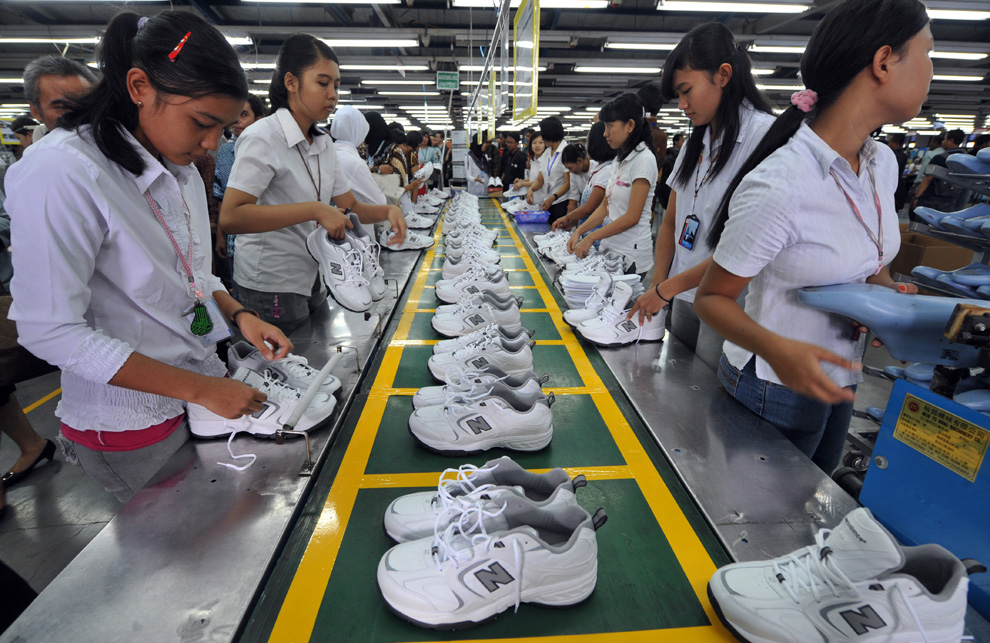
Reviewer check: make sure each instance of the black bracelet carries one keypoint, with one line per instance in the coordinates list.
(657, 289)
(233, 317)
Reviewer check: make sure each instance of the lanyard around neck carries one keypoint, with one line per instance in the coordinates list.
(316, 186)
(187, 259)
(697, 171)
(877, 238)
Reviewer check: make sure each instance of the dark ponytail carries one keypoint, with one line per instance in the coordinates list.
(628, 107)
(206, 65)
(706, 48)
(842, 45)
(573, 153)
(298, 53)
(598, 147)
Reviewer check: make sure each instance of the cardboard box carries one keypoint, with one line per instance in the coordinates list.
(920, 250)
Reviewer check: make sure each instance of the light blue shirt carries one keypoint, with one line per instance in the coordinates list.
(430, 155)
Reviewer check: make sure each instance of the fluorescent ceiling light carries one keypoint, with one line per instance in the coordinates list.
(931, 132)
(262, 81)
(409, 93)
(358, 105)
(957, 55)
(544, 4)
(346, 67)
(582, 69)
(776, 49)
(646, 46)
(780, 88)
(955, 14)
(259, 92)
(15, 106)
(428, 81)
(368, 42)
(12, 81)
(762, 72)
(247, 65)
(327, 1)
(966, 117)
(525, 44)
(956, 77)
(495, 68)
(730, 7)
(239, 41)
(92, 40)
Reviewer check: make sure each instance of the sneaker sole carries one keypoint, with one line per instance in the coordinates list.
(643, 340)
(721, 617)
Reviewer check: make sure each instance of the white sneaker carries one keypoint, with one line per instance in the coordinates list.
(593, 305)
(460, 383)
(466, 575)
(457, 266)
(856, 583)
(424, 172)
(440, 194)
(479, 248)
(417, 515)
(413, 241)
(342, 267)
(472, 424)
(277, 409)
(292, 370)
(611, 328)
(479, 337)
(548, 238)
(468, 318)
(418, 221)
(480, 298)
(475, 280)
(512, 356)
(465, 233)
(371, 269)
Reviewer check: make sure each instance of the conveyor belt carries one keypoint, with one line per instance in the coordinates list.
(656, 553)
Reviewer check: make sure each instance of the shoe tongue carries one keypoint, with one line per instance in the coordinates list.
(249, 377)
(862, 548)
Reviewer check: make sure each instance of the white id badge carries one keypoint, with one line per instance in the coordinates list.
(220, 330)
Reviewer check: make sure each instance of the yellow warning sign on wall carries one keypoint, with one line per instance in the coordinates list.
(948, 439)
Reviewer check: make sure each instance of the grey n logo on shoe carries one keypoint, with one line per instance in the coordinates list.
(337, 269)
(494, 576)
(862, 620)
(481, 362)
(628, 325)
(476, 320)
(478, 424)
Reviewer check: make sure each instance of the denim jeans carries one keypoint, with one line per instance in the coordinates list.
(817, 429)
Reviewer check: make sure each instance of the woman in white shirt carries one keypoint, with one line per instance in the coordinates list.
(712, 79)
(814, 206)
(476, 169)
(553, 176)
(285, 174)
(599, 174)
(536, 151)
(629, 196)
(111, 244)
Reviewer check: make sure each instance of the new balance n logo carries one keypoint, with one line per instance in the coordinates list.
(628, 325)
(494, 576)
(477, 425)
(481, 362)
(337, 269)
(863, 620)
(476, 320)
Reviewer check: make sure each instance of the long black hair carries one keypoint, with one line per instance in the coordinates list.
(257, 106)
(299, 52)
(842, 45)
(205, 66)
(706, 48)
(598, 148)
(573, 153)
(379, 138)
(628, 107)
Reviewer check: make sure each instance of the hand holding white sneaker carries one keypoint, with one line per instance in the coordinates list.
(342, 267)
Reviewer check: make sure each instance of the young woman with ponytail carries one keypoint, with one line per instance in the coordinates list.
(599, 176)
(711, 77)
(814, 206)
(285, 174)
(118, 250)
(575, 159)
(625, 211)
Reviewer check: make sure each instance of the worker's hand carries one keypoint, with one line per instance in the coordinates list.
(798, 365)
(899, 286)
(530, 197)
(229, 398)
(563, 223)
(648, 305)
(333, 220)
(221, 247)
(583, 247)
(398, 223)
(547, 203)
(268, 339)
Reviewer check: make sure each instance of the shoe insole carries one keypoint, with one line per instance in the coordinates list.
(974, 275)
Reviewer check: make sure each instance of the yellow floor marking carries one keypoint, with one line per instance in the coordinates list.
(431, 342)
(431, 479)
(300, 608)
(35, 405)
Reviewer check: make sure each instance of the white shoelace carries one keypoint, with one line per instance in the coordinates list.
(473, 349)
(230, 450)
(460, 402)
(372, 257)
(598, 297)
(354, 268)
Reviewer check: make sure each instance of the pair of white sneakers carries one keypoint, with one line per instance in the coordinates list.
(471, 247)
(418, 221)
(413, 241)
(856, 583)
(477, 278)
(349, 266)
(609, 326)
(283, 381)
(480, 336)
(477, 312)
(512, 355)
(487, 539)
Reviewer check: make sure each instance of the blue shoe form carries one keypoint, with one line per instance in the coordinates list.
(971, 384)
(920, 372)
(941, 280)
(876, 413)
(948, 283)
(932, 217)
(978, 399)
(911, 327)
(984, 154)
(897, 372)
(927, 275)
(969, 227)
(973, 275)
(967, 164)
(983, 292)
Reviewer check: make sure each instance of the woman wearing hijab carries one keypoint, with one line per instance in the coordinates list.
(476, 170)
(350, 129)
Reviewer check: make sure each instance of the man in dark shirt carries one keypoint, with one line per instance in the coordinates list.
(513, 161)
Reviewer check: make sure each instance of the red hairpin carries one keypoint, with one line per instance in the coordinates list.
(175, 52)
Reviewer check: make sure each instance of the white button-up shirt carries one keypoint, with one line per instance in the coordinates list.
(96, 277)
(553, 170)
(274, 163)
(790, 227)
(635, 244)
(753, 125)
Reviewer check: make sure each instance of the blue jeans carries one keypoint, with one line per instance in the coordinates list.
(817, 429)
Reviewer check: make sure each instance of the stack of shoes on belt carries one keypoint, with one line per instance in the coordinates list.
(610, 327)
(488, 539)
(579, 280)
(283, 381)
(349, 266)
(856, 583)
